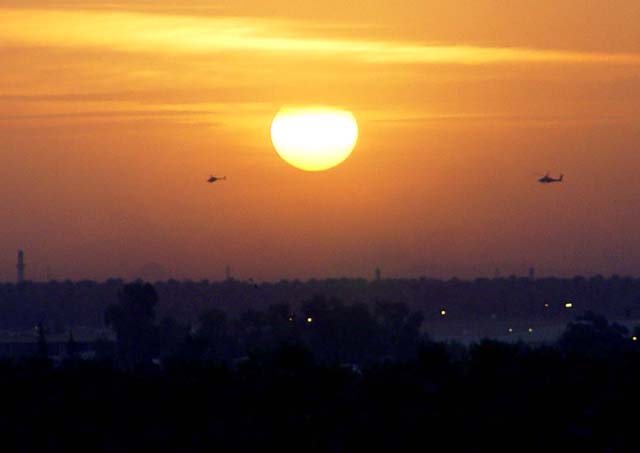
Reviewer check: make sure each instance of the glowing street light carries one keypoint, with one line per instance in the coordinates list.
(443, 312)
(309, 320)
(568, 305)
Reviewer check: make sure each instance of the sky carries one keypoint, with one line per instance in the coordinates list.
(113, 114)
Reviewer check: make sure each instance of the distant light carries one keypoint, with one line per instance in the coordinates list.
(530, 330)
(309, 319)
(546, 305)
(568, 305)
(443, 312)
(510, 330)
(290, 318)
(634, 338)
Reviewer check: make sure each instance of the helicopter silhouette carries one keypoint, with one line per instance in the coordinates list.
(546, 179)
(213, 179)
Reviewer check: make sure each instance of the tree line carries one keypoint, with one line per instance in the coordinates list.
(65, 305)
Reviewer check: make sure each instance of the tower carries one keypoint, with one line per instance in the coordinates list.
(377, 275)
(532, 274)
(20, 266)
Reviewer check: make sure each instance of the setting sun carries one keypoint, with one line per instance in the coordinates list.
(352, 135)
(314, 138)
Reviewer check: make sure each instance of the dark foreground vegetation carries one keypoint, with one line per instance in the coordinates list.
(490, 397)
(329, 377)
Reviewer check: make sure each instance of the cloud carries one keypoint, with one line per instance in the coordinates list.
(176, 34)
(497, 118)
(65, 97)
(105, 114)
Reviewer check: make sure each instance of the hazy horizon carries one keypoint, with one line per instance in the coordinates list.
(156, 272)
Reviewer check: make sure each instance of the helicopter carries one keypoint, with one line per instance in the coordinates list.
(546, 179)
(213, 179)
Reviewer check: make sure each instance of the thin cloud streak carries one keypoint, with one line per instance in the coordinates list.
(554, 119)
(156, 33)
(93, 114)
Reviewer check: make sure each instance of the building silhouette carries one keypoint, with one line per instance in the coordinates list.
(20, 267)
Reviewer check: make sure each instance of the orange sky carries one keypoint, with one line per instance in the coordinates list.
(112, 115)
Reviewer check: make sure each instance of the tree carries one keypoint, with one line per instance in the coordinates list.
(214, 333)
(72, 348)
(43, 350)
(132, 320)
(401, 329)
(593, 336)
(172, 336)
(338, 333)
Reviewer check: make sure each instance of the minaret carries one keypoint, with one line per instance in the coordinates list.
(20, 266)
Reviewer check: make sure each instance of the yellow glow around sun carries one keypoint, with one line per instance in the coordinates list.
(314, 138)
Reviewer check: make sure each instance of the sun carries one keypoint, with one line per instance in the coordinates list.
(314, 138)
